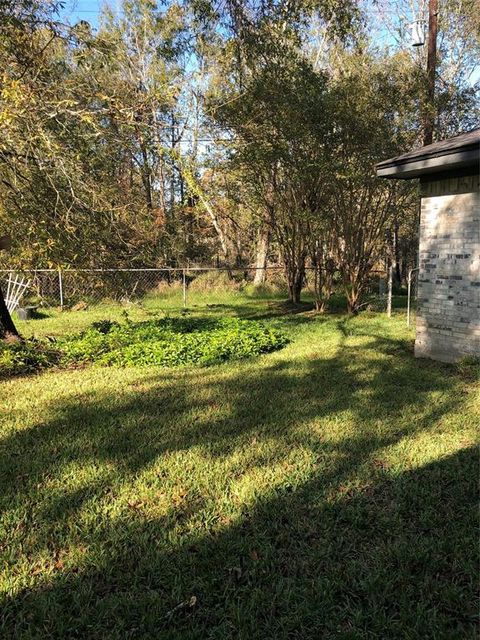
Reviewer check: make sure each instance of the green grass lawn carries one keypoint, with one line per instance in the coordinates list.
(327, 490)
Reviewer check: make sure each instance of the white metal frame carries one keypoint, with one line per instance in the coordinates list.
(15, 290)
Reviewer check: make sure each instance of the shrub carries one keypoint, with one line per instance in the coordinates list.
(172, 342)
(26, 356)
(169, 342)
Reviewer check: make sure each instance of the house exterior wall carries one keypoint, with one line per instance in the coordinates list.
(448, 307)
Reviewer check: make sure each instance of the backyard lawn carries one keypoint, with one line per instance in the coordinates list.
(326, 490)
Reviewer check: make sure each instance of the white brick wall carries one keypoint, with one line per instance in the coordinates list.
(448, 311)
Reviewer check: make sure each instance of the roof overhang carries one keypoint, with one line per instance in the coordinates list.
(417, 168)
(454, 154)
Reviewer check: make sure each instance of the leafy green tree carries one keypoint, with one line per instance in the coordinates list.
(272, 107)
(372, 100)
(85, 120)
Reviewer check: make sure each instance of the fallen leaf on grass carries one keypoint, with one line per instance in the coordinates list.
(186, 604)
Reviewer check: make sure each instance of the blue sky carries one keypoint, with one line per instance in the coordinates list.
(88, 10)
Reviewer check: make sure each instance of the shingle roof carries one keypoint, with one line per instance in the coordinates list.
(459, 151)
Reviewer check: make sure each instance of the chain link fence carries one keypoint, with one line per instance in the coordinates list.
(70, 288)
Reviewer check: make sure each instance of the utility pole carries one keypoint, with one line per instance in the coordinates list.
(429, 109)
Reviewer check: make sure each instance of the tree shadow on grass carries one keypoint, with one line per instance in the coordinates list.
(269, 310)
(351, 550)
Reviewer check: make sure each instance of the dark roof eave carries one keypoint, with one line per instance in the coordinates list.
(419, 166)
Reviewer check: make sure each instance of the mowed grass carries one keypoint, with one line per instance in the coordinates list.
(327, 490)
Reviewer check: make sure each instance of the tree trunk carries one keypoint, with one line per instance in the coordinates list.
(323, 272)
(295, 278)
(396, 255)
(146, 175)
(320, 306)
(294, 293)
(7, 328)
(195, 189)
(263, 245)
(352, 304)
(216, 225)
(353, 294)
(172, 173)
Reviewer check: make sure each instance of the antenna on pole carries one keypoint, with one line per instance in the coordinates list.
(418, 33)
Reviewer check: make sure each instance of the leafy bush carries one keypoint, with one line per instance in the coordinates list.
(104, 326)
(25, 356)
(171, 342)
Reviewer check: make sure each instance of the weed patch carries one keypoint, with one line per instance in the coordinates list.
(171, 342)
(23, 357)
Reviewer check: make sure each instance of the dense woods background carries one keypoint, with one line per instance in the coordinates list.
(238, 134)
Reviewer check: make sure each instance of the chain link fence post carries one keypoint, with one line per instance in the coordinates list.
(389, 293)
(184, 286)
(60, 287)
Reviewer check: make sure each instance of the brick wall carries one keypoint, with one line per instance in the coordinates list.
(448, 308)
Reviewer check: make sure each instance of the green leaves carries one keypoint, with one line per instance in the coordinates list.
(27, 356)
(171, 342)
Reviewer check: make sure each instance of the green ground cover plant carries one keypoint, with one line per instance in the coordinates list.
(29, 356)
(323, 490)
(171, 342)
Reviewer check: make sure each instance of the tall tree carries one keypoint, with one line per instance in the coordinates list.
(372, 100)
(271, 104)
